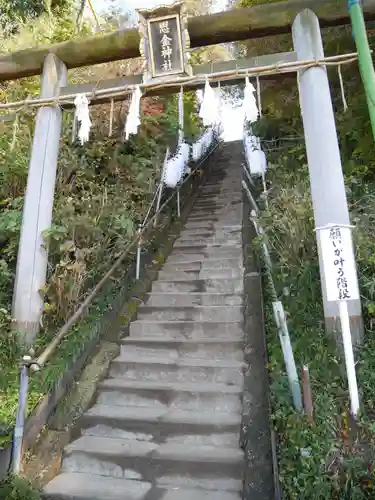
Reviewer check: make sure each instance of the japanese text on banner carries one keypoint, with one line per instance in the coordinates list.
(339, 264)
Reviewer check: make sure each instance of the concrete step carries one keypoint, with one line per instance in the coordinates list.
(218, 201)
(231, 186)
(213, 239)
(224, 178)
(198, 313)
(193, 299)
(191, 275)
(205, 252)
(214, 204)
(210, 244)
(211, 207)
(222, 194)
(210, 232)
(223, 216)
(174, 349)
(179, 396)
(210, 235)
(234, 286)
(203, 225)
(75, 486)
(163, 425)
(151, 462)
(204, 265)
(181, 370)
(227, 216)
(189, 330)
(83, 486)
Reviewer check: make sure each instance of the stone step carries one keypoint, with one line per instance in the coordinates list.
(181, 370)
(219, 201)
(215, 238)
(203, 225)
(220, 217)
(202, 274)
(216, 203)
(173, 463)
(83, 486)
(204, 265)
(178, 396)
(190, 330)
(210, 244)
(193, 299)
(174, 349)
(217, 215)
(163, 425)
(211, 208)
(79, 486)
(235, 286)
(210, 232)
(230, 185)
(214, 253)
(210, 314)
(204, 254)
(224, 178)
(222, 194)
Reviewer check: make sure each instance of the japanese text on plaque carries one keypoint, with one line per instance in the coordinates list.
(339, 264)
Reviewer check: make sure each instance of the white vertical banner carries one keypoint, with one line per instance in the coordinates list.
(342, 285)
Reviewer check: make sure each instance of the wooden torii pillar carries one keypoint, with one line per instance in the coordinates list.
(37, 213)
(326, 176)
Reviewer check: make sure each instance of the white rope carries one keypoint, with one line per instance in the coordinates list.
(122, 90)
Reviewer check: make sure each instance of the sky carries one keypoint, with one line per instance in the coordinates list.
(232, 117)
(101, 5)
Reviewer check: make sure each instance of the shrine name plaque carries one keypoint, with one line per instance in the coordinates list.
(166, 52)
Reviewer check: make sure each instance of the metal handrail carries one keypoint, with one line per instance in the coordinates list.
(36, 364)
(278, 309)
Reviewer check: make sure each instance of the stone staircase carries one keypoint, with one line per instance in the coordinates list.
(166, 423)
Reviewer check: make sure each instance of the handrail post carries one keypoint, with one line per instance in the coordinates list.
(138, 261)
(287, 349)
(161, 186)
(21, 417)
(178, 203)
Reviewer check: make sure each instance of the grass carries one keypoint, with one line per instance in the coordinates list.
(41, 382)
(331, 458)
(17, 488)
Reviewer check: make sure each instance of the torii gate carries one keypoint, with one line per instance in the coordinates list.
(327, 183)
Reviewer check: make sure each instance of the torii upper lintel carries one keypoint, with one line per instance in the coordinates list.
(229, 26)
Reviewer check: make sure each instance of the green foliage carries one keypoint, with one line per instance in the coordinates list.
(103, 191)
(329, 459)
(15, 12)
(17, 488)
